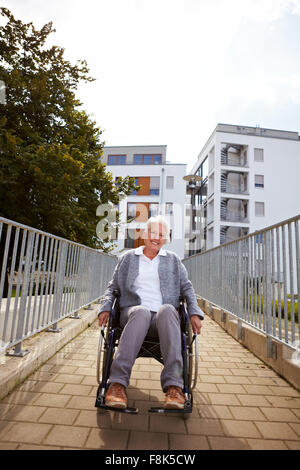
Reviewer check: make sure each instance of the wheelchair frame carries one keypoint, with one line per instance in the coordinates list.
(149, 348)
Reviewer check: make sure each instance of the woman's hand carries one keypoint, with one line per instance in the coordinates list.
(196, 324)
(103, 318)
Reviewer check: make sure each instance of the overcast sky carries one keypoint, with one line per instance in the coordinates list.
(167, 71)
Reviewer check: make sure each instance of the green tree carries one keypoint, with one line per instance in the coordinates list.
(51, 174)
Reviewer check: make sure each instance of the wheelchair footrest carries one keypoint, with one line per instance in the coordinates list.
(170, 410)
(101, 405)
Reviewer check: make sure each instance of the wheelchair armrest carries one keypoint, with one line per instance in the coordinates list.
(115, 311)
(183, 313)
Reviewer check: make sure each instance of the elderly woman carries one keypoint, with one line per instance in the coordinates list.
(150, 281)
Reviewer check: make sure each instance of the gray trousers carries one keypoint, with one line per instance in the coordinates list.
(137, 322)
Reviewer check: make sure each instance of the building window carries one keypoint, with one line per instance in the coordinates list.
(170, 182)
(259, 181)
(154, 185)
(134, 192)
(258, 155)
(203, 169)
(129, 240)
(169, 208)
(147, 159)
(153, 209)
(131, 210)
(139, 211)
(116, 160)
(260, 209)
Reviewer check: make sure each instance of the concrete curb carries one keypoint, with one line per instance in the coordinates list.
(14, 370)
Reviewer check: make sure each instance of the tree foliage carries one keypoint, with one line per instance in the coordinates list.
(51, 174)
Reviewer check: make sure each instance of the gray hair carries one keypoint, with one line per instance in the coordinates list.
(159, 220)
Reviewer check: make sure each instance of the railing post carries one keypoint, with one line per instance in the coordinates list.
(271, 351)
(24, 291)
(59, 286)
(239, 291)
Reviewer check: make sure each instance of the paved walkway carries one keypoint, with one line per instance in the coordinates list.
(239, 403)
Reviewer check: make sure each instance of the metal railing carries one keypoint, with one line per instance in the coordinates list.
(44, 279)
(257, 279)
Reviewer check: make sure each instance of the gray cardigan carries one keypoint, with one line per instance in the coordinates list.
(173, 278)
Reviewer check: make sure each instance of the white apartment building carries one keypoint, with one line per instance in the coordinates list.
(250, 180)
(163, 191)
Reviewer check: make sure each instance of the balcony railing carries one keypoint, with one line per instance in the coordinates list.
(232, 217)
(233, 189)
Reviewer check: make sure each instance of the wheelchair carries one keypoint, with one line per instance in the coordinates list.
(109, 340)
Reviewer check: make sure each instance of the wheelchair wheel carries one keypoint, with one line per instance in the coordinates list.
(105, 355)
(100, 356)
(193, 359)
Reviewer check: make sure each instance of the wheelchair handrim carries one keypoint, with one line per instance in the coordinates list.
(99, 355)
(195, 355)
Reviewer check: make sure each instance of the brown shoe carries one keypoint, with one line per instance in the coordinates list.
(174, 398)
(116, 396)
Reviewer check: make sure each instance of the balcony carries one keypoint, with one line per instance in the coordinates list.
(234, 155)
(234, 210)
(228, 234)
(233, 189)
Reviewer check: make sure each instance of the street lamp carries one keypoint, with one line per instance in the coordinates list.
(192, 185)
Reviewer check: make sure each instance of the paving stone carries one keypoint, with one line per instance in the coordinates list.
(239, 428)
(148, 441)
(8, 446)
(36, 447)
(59, 416)
(215, 411)
(67, 436)
(253, 400)
(282, 431)
(184, 442)
(250, 413)
(266, 444)
(47, 387)
(293, 445)
(21, 398)
(74, 389)
(107, 439)
(279, 414)
(69, 378)
(25, 413)
(223, 399)
(93, 419)
(51, 399)
(167, 423)
(33, 433)
(81, 403)
(283, 402)
(231, 388)
(296, 427)
(227, 443)
(204, 426)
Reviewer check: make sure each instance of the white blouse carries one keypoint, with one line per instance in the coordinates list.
(147, 283)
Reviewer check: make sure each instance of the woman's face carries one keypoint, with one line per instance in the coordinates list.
(156, 237)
